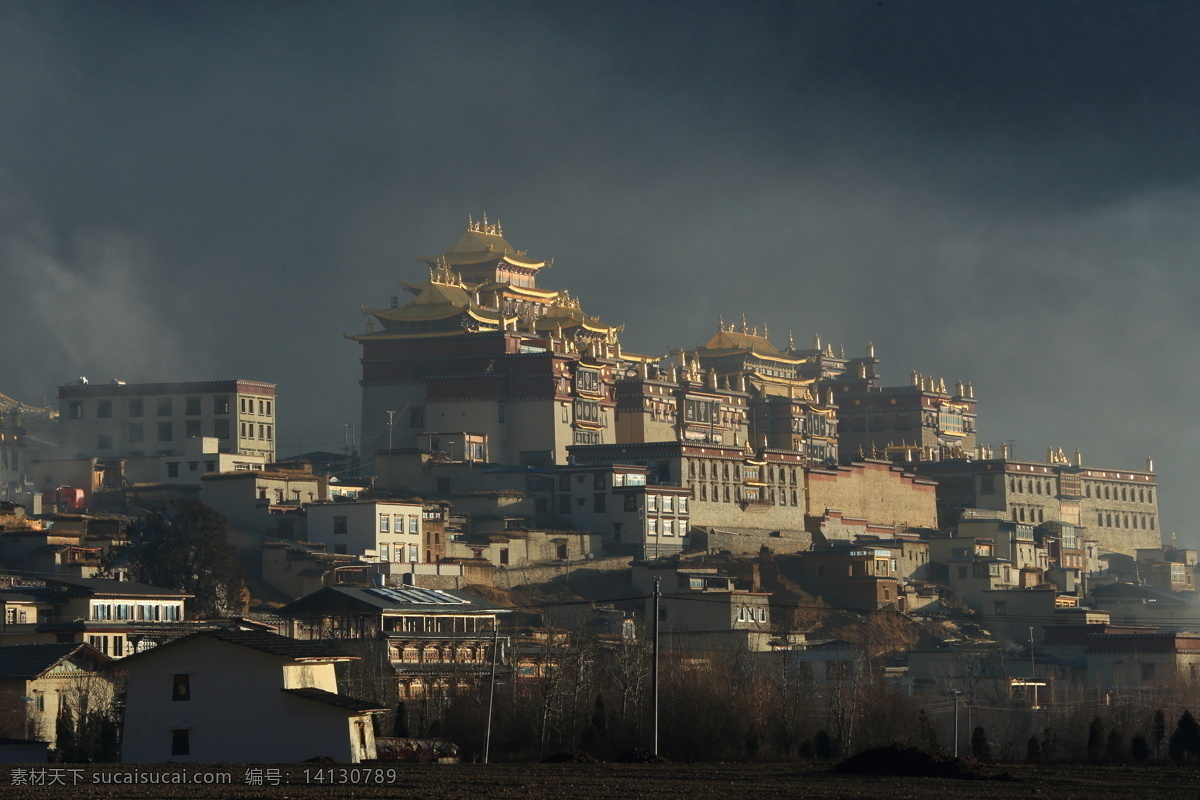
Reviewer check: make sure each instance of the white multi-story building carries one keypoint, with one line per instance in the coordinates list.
(383, 531)
(128, 420)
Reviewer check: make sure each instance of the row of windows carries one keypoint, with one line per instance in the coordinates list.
(265, 432)
(262, 493)
(599, 480)
(667, 527)
(745, 614)
(135, 432)
(414, 654)
(721, 470)
(137, 612)
(1128, 494)
(102, 643)
(248, 405)
(1020, 486)
(1035, 514)
(1107, 519)
(385, 522)
(668, 503)
(193, 466)
(164, 406)
(395, 551)
(722, 494)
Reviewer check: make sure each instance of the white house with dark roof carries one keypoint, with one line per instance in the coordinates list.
(49, 678)
(242, 697)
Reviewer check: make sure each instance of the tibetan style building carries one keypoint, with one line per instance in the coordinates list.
(787, 409)
(482, 349)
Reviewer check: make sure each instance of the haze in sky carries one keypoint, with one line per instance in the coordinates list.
(1006, 193)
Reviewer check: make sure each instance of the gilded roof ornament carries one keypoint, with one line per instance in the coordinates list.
(442, 273)
(482, 226)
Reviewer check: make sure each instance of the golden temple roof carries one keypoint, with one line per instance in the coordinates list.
(566, 313)
(443, 296)
(732, 340)
(483, 242)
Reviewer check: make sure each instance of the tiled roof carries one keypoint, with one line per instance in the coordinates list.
(27, 661)
(339, 700)
(400, 599)
(277, 645)
(108, 586)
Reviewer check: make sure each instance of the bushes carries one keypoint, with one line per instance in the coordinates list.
(980, 747)
(1184, 746)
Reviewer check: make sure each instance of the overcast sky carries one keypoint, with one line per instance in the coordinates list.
(1002, 192)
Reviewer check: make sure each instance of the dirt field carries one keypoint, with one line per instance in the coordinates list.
(602, 782)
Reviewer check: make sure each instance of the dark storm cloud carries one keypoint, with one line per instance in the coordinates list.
(1000, 192)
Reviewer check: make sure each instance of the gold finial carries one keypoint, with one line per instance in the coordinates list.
(743, 322)
(766, 333)
(791, 341)
(720, 323)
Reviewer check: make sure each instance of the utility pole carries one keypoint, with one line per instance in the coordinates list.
(348, 449)
(487, 734)
(1032, 668)
(654, 671)
(956, 694)
(391, 420)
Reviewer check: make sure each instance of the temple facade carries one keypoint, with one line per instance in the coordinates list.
(481, 349)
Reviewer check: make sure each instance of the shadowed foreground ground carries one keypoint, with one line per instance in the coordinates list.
(610, 782)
